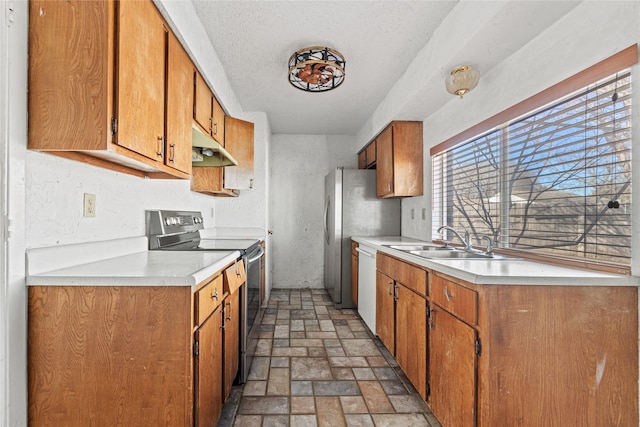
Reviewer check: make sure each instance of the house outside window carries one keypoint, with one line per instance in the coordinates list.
(555, 181)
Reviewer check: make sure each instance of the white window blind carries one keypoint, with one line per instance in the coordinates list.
(565, 170)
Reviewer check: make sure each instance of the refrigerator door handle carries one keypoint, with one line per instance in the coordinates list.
(326, 221)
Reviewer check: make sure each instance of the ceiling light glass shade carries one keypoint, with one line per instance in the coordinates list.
(461, 80)
(316, 69)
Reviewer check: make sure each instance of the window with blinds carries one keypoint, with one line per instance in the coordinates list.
(556, 181)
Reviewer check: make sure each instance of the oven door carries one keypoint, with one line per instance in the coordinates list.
(251, 303)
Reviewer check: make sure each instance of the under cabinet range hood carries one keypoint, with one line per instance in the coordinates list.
(207, 152)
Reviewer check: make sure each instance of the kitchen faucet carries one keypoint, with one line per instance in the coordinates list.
(466, 240)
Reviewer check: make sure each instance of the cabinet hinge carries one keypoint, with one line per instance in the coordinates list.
(196, 348)
(478, 346)
(114, 126)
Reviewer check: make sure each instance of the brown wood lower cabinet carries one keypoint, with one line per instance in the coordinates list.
(385, 310)
(401, 317)
(208, 365)
(503, 355)
(231, 327)
(132, 355)
(354, 273)
(452, 362)
(102, 355)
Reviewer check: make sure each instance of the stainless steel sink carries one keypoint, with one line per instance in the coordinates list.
(453, 254)
(425, 248)
(433, 251)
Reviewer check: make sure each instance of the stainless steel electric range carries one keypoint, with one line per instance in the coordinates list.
(180, 231)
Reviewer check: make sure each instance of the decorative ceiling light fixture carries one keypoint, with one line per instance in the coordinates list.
(316, 69)
(461, 80)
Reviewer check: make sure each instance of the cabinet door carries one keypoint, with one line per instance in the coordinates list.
(362, 159)
(371, 155)
(203, 104)
(239, 142)
(384, 163)
(218, 124)
(69, 89)
(231, 340)
(141, 78)
(452, 370)
(411, 337)
(179, 106)
(208, 367)
(354, 279)
(385, 311)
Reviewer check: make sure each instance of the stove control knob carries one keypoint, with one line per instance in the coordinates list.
(171, 220)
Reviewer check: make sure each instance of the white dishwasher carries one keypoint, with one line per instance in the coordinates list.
(367, 285)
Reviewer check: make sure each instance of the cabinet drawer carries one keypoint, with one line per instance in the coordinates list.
(234, 277)
(409, 275)
(454, 298)
(207, 299)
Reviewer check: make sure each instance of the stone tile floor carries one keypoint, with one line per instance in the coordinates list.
(315, 365)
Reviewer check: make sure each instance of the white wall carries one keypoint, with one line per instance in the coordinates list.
(299, 164)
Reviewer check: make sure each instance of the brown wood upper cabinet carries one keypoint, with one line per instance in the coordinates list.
(98, 87)
(203, 104)
(218, 126)
(207, 111)
(179, 102)
(227, 181)
(367, 156)
(399, 163)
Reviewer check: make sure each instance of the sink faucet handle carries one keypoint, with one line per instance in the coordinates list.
(489, 244)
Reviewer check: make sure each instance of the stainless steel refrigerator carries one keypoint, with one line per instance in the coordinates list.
(352, 209)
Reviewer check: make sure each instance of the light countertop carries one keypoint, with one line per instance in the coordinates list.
(501, 271)
(121, 262)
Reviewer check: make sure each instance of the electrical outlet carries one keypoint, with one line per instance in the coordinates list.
(89, 205)
(424, 214)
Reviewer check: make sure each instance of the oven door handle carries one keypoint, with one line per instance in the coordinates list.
(256, 256)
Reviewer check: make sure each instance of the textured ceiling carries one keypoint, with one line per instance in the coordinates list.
(379, 39)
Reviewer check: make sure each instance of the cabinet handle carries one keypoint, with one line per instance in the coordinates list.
(215, 129)
(224, 317)
(229, 304)
(210, 125)
(430, 317)
(160, 146)
(172, 156)
(215, 295)
(447, 295)
(389, 284)
(395, 293)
